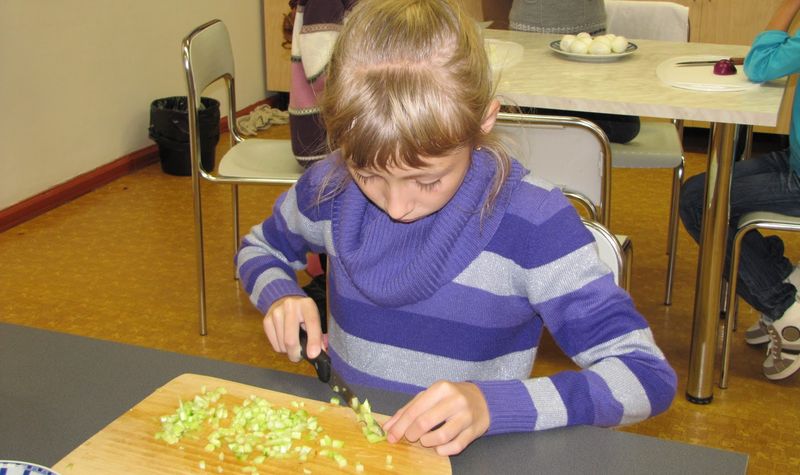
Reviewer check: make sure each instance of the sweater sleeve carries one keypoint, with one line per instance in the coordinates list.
(272, 252)
(774, 54)
(622, 376)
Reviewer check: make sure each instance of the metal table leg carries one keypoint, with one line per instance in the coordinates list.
(713, 236)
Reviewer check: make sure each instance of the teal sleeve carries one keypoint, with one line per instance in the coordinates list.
(774, 54)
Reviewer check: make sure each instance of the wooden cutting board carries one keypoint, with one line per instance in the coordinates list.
(128, 444)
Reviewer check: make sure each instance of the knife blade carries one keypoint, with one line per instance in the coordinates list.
(326, 374)
(736, 61)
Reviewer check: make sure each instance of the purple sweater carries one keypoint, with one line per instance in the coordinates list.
(461, 297)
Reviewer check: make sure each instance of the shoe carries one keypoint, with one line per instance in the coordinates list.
(784, 335)
(780, 364)
(756, 335)
(794, 278)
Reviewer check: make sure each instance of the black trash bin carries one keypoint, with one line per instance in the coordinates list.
(169, 128)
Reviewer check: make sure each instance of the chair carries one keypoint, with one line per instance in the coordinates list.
(207, 58)
(608, 248)
(748, 222)
(573, 154)
(659, 144)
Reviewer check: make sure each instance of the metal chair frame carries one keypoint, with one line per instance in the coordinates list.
(208, 57)
(592, 191)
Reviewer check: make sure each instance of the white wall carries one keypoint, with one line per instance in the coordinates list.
(77, 78)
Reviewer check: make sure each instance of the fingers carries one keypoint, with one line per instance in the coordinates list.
(282, 326)
(313, 325)
(417, 417)
(291, 329)
(447, 416)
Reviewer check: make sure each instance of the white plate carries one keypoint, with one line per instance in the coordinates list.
(701, 78)
(12, 467)
(593, 58)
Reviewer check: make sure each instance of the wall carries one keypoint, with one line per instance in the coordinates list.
(77, 78)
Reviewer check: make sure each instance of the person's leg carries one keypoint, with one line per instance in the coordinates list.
(760, 184)
(765, 183)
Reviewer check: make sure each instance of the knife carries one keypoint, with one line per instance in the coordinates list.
(736, 61)
(326, 374)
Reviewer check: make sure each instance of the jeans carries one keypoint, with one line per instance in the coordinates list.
(763, 183)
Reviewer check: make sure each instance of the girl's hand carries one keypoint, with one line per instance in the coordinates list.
(282, 326)
(460, 406)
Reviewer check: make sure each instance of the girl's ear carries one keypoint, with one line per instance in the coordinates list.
(491, 116)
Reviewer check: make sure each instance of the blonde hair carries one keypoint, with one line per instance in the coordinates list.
(409, 78)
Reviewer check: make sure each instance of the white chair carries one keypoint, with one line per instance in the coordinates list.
(748, 222)
(659, 144)
(207, 58)
(608, 248)
(646, 20)
(573, 154)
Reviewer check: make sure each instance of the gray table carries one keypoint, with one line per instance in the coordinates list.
(57, 390)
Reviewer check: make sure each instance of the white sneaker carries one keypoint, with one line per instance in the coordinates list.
(794, 277)
(784, 334)
(756, 335)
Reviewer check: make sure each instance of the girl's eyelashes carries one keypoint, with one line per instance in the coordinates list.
(423, 186)
(429, 186)
(363, 178)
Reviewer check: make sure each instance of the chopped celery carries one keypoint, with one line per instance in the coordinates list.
(255, 430)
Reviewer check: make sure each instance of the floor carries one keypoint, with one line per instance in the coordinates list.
(118, 264)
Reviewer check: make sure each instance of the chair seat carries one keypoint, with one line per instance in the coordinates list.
(263, 159)
(768, 217)
(656, 146)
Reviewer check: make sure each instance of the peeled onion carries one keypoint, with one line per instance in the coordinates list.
(566, 41)
(599, 47)
(619, 44)
(724, 67)
(579, 47)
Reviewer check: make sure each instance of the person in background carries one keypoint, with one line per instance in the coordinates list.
(767, 279)
(572, 17)
(316, 25)
(447, 258)
(558, 16)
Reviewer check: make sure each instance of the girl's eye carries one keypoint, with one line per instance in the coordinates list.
(363, 178)
(429, 186)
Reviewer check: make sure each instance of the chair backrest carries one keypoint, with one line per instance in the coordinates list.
(569, 152)
(207, 58)
(666, 21)
(608, 247)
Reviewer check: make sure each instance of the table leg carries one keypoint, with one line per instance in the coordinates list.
(713, 235)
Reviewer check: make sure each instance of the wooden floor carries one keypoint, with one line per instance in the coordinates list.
(118, 264)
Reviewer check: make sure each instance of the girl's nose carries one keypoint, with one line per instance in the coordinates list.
(398, 203)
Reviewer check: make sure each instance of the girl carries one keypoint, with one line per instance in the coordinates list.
(446, 258)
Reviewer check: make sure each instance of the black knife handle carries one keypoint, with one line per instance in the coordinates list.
(322, 363)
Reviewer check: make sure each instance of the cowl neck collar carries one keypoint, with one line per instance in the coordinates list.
(394, 264)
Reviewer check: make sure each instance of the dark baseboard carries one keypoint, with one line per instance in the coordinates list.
(82, 184)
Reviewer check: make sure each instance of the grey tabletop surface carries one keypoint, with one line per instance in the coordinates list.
(57, 390)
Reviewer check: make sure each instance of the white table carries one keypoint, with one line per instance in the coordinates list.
(543, 78)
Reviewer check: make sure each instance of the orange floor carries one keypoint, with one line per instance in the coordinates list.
(118, 264)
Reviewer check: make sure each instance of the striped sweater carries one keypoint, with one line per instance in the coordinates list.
(463, 297)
